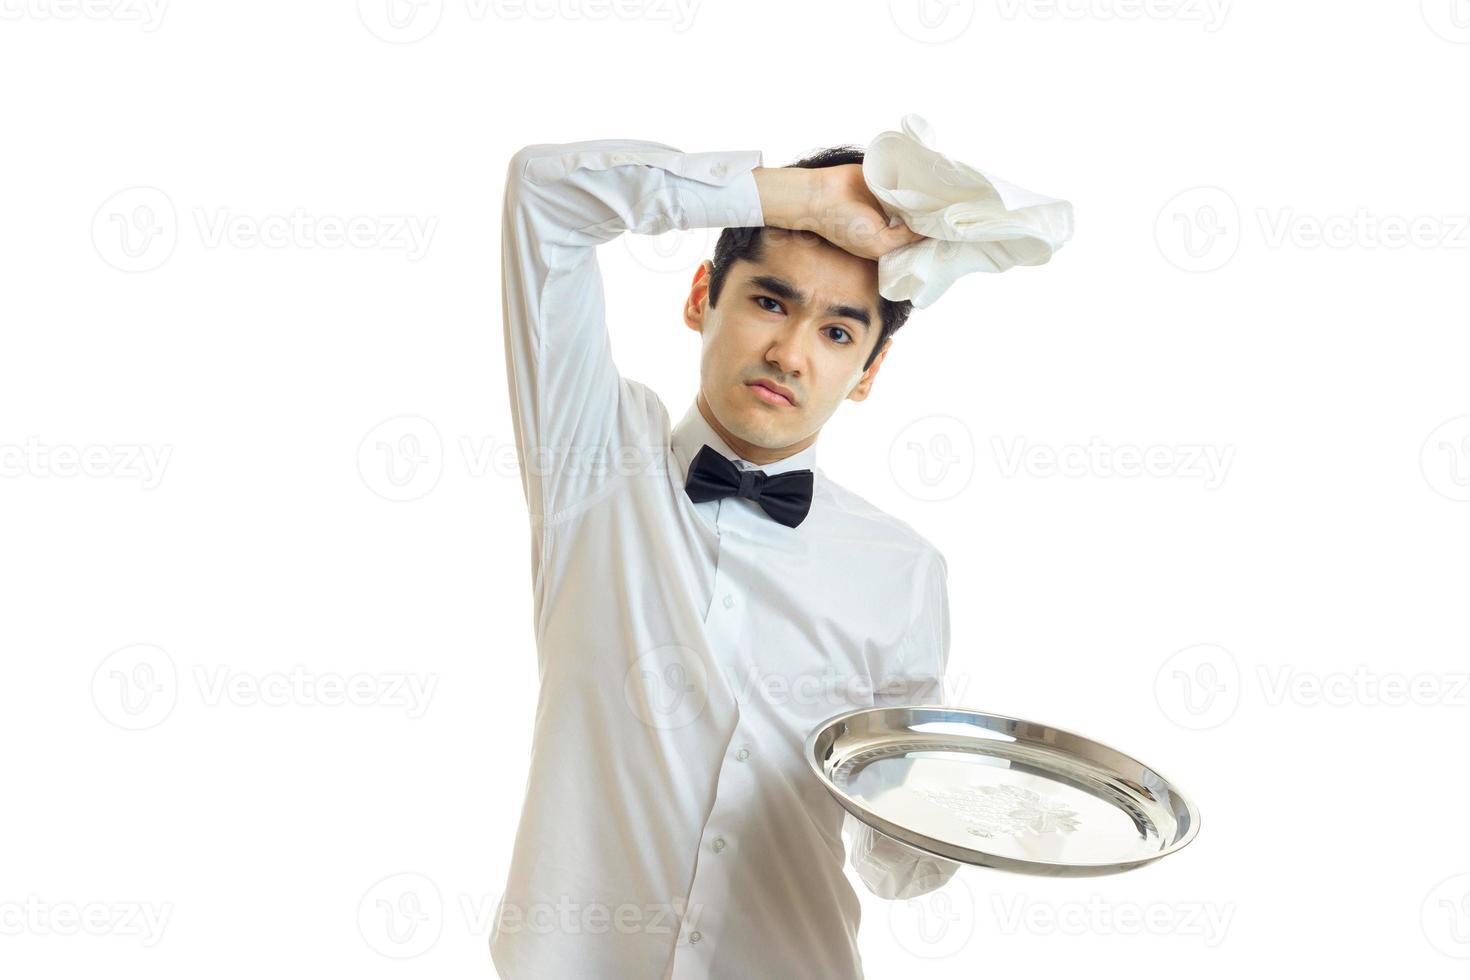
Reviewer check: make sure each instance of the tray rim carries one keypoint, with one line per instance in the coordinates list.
(940, 849)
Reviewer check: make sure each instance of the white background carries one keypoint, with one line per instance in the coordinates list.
(1285, 635)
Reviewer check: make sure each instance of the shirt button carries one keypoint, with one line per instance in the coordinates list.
(695, 937)
(719, 844)
(718, 170)
(742, 755)
(729, 600)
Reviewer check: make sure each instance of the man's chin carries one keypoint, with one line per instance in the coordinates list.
(755, 422)
(751, 426)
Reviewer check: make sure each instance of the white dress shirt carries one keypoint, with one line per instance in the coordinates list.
(671, 829)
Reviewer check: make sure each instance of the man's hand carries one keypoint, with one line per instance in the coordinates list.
(833, 202)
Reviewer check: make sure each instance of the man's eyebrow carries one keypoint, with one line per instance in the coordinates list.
(788, 292)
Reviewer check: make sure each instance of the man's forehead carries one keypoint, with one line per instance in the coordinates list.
(822, 272)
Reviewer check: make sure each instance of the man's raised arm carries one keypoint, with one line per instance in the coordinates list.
(571, 409)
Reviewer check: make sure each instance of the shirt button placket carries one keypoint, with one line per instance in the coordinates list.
(711, 873)
(724, 624)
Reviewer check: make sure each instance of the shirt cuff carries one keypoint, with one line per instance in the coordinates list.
(720, 190)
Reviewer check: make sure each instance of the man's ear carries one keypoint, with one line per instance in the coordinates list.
(861, 389)
(695, 306)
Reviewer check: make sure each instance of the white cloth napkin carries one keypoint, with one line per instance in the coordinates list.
(972, 221)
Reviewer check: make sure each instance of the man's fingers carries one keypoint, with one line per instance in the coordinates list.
(897, 237)
(869, 235)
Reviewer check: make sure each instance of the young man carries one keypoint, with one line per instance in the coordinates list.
(704, 595)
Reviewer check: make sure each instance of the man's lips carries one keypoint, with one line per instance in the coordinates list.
(769, 394)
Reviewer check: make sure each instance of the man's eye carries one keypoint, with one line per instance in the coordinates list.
(843, 331)
(769, 300)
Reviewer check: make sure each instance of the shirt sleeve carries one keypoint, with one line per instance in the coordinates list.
(572, 412)
(889, 868)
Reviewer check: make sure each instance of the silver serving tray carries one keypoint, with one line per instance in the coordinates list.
(999, 792)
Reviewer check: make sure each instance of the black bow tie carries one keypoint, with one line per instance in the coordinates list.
(786, 497)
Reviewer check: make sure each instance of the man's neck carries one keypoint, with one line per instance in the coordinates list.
(759, 455)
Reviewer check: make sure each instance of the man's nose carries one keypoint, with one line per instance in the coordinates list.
(788, 350)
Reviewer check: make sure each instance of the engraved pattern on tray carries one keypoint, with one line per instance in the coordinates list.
(992, 811)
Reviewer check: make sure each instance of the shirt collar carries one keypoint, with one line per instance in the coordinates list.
(693, 431)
